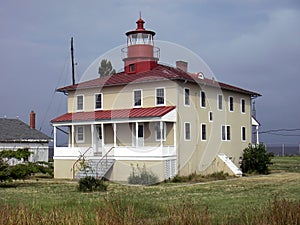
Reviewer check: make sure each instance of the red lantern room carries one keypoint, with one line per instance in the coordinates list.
(140, 54)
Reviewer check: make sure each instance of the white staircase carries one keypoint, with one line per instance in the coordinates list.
(230, 164)
(96, 168)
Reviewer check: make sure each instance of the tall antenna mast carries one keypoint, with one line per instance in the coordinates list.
(73, 65)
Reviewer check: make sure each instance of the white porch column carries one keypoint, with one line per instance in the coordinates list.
(93, 135)
(72, 136)
(161, 133)
(257, 140)
(115, 134)
(174, 130)
(136, 134)
(54, 136)
(103, 135)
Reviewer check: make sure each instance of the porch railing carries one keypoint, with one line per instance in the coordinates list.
(77, 161)
(104, 157)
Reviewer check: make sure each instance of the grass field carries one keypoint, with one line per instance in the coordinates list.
(219, 201)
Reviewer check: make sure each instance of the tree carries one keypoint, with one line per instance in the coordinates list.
(256, 159)
(106, 68)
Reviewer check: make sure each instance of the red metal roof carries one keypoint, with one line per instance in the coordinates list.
(159, 73)
(114, 114)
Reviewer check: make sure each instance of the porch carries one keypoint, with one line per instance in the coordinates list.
(134, 140)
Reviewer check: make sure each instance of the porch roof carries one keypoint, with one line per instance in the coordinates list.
(114, 114)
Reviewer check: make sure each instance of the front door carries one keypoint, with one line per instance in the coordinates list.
(141, 135)
(99, 138)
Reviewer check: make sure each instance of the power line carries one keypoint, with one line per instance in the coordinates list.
(277, 132)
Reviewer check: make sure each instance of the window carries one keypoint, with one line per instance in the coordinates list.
(203, 132)
(225, 133)
(98, 101)
(79, 100)
(160, 96)
(243, 133)
(243, 110)
(220, 102)
(137, 98)
(131, 68)
(187, 131)
(186, 96)
(202, 99)
(230, 103)
(80, 134)
(158, 134)
(210, 116)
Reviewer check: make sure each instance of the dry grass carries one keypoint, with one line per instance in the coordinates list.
(272, 199)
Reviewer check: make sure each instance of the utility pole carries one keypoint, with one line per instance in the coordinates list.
(73, 64)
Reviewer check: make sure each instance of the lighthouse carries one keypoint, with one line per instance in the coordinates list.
(140, 55)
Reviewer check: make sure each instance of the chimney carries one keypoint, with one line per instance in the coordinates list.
(32, 119)
(182, 65)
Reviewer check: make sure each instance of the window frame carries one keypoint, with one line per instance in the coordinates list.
(243, 106)
(231, 104)
(77, 134)
(96, 95)
(243, 134)
(185, 99)
(202, 99)
(141, 104)
(220, 102)
(187, 137)
(226, 133)
(77, 109)
(164, 96)
(210, 116)
(203, 134)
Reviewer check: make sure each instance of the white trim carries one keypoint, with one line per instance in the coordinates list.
(79, 110)
(184, 128)
(83, 134)
(241, 105)
(229, 104)
(95, 98)
(201, 126)
(242, 134)
(203, 107)
(133, 100)
(187, 105)
(163, 97)
(218, 102)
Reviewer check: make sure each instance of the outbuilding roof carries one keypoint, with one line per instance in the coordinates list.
(159, 73)
(15, 130)
(114, 114)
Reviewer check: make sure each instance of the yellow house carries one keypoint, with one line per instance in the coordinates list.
(164, 118)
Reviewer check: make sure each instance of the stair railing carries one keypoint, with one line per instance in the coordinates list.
(103, 157)
(77, 161)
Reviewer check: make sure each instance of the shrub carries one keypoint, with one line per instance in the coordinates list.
(256, 159)
(142, 176)
(194, 177)
(90, 184)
